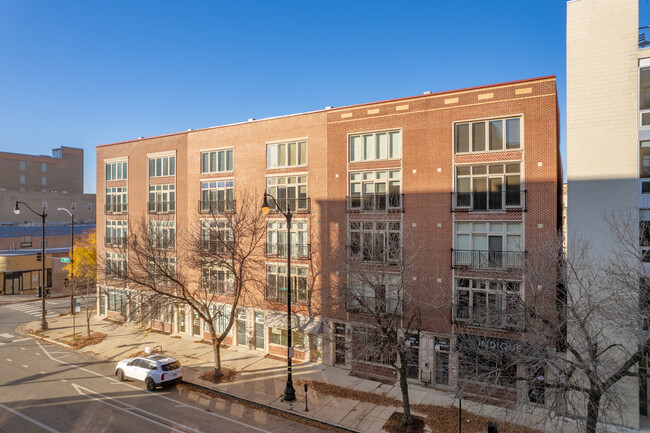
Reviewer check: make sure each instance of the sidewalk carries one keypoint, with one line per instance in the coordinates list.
(262, 380)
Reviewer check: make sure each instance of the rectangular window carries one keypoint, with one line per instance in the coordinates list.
(378, 242)
(375, 146)
(276, 284)
(290, 192)
(490, 303)
(375, 191)
(162, 198)
(279, 336)
(496, 187)
(116, 231)
(217, 279)
(482, 245)
(22, 179)
(291, 154)
(644, 96)
(115, 265)
(217, 161)
(368, 345)
(220, 317)
(276, 239)
(43, 180)
(490, 135)
(117, 301)
(374, 293)
(162, 234)
(116, 200)
(22, 165)
(44, 167)
(217, 197)
(162, 166)
(217, 236)
(116, 170)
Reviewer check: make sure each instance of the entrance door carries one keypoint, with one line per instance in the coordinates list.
(196, 324)
(339, 344)
(181, 318)
(259, 330)
(241, 327)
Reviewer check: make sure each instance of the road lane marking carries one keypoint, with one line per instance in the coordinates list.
(40, 424)
(36, 353)
(9, 360)
(5, 335)
(22, 339)
(42, 372)
(130, 410)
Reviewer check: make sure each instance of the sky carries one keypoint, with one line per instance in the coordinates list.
(86, 73)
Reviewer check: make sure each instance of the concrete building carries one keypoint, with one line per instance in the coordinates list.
(608, 134)
(472, 174)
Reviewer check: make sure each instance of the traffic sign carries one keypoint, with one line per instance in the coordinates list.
(65, 259)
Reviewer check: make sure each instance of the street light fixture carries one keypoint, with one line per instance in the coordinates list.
(289, 392)
(43, 280)
(71, 262)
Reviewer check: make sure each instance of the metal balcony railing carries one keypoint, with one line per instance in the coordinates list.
(297, 205)
(488, 201)
(474, 259)
(161, 206)
(113, 208)
(112, 241)
(298, 251)
(642, 36)
(217, 246)
(163, 243)
(375, 203)
(218, 207)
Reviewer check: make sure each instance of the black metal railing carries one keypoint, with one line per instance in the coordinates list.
(488, 201)
(298, 251)
(474, 259)
(297, 205)
(217, 207)
(113, 241)
(375, 203)
(161, 206)
(112, 208)
(162, 243)
(217, 246)
(25, 244)
(642, 37)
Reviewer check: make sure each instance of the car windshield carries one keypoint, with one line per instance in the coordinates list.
(173, 366)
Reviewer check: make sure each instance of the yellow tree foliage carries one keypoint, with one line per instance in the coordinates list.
(84, 260)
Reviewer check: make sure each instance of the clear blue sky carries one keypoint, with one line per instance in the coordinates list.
(85, 73)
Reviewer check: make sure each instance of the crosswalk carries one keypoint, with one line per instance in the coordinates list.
(31, 308)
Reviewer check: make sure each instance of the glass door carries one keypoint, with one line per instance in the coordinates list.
(259, 330)
(241, 327)
(181, 318)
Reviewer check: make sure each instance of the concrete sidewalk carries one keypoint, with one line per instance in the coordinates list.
(260, 379)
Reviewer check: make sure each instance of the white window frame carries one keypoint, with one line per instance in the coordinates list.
(503, 295)
(157, 166)
(368, 148)
(228, 158)
(273, 156)
(486, 122)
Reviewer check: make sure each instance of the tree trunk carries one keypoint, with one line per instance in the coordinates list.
(403, 384)
(216, 350)
(592, 410)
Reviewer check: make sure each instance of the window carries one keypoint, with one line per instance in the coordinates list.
(276, 239)
(162, 198)
(73, 207)
(44, 206)
(162, 166)
(375, 241)
(370, 346)
(487, 135)
(25, 241)
(375, 190)
(162, 270)
(217, 279)
(491, 303)
(44, 167)
(488, 187)
(116, 170)
(644, 96)
(488, 245)
(115, 265)
(163, 312)
(116, 232)
(116, 200)
(276, 284)
(218, 161)
(162, 234)
(221, 318)
(286, 154)
(22, 179)
(217, 236)
(43, 180)
(374, 293)
(280, 336)
(291, 191)
(644, 234)
(217, 197)
(22, 165)
(376, 145)
(117, 301)
(480, 364)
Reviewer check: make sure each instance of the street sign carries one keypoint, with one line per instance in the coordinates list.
(65, 259)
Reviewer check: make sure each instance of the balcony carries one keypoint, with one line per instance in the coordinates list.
(116, 208)
(162, 243)
(218, 207)
(115, 241)
(642, 36)
(490, 260)
(375, 203)
(217, 246)
(298, 251)
(297, 205)
(488, 201)
(161, 206)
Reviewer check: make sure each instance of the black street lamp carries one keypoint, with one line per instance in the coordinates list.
(71, 262)
(43, 280)
(289, 392)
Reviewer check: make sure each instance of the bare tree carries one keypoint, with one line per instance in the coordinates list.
(214, 266)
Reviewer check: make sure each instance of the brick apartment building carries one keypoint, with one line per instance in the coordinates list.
(472, 174)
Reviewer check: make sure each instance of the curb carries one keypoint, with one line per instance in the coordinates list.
(20, 330)
(269, 408)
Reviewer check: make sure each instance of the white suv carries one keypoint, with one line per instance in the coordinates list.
(153, 370)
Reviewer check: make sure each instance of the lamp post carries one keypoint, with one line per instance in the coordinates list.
(71, 266)
(289, 392)
(43, 280)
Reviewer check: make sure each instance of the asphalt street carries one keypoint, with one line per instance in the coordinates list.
(47, 388)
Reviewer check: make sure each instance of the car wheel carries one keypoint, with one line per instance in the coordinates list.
(151, 385)
(120, 375)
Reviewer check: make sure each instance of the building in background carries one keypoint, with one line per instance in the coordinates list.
(472, 175)
(45, 184)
